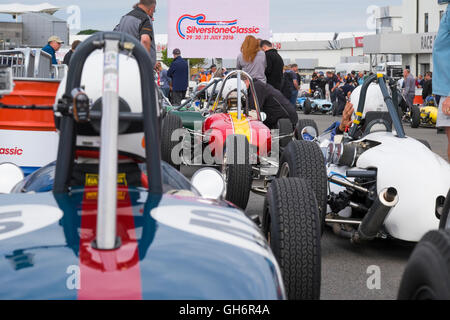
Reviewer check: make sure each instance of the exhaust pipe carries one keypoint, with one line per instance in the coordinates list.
(374, 219)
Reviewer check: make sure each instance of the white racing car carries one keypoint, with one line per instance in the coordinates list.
(381, 183)
(427, 275)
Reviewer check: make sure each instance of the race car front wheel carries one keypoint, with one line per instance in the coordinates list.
(237, 170)
(286, 130)
(170, 124)
(304, 159)
(291, 224)
(302, 124)
(415, 117)
(427, 275)
(307, 106)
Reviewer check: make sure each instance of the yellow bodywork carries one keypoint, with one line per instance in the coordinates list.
(241, 127)
(429, 115)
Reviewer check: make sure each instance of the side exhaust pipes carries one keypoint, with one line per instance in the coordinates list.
(374, 219)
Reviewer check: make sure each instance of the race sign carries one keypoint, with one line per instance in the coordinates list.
(215, 28)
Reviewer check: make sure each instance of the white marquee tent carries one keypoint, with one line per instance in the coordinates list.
(17, 9)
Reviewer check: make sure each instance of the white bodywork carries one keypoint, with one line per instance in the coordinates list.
(419, 176)
(129, 90)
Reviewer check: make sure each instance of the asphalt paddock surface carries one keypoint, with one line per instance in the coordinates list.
(347, 269)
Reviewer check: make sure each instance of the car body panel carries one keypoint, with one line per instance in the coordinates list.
(192, 120)
(321, 105)
(222, 125)
(420, 177)
(173, 247)
(429, 115)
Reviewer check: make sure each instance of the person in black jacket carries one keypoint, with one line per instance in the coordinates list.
(427, 86)
(274, 104)
(275, 65)
(315, 85)
(69, 54)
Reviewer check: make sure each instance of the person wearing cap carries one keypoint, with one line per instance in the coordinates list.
(54, 44)
(179, 73)
(139, 24)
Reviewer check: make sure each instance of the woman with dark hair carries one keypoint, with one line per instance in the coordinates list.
(69, 54)
(252, 59)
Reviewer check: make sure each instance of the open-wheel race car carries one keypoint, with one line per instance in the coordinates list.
(108, 222)
(372, 192)
(315, 104)
(232, 136)
(419, 116)
(429, 113)
(427, 274)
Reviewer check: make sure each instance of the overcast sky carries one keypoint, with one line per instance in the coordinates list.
(286, 15)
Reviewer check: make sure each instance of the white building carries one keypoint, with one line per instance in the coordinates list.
(408, 30)
(311, 51)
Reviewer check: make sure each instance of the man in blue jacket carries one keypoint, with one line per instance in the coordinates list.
(179, 72)
(54, 44)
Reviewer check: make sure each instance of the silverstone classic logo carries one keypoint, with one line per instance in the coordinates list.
(189, 26)
(11, 151)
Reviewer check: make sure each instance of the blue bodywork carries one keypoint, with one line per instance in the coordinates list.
(318, 105)
(203, 258)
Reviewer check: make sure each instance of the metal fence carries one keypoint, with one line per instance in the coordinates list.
(32, 63)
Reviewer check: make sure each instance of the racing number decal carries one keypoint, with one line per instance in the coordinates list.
(225, 225)
(23, 219)
(10, 226)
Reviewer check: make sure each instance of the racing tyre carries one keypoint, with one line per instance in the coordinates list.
(307, 106)
(400, 113)
(286, 129)
(445, 213)
(427, 275)
(291, 225)
(304, 159)
(170, 124)
(237, 170)
(302, 124)
(425, 143)
(415, 117)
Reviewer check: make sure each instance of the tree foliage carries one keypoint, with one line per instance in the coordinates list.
(87, 32)
(194, 63)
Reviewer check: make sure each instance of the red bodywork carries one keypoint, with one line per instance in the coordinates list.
(219, 126)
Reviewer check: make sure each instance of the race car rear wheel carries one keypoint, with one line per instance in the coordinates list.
(415, 117)
(304, 159)
(425, 143)
(291, 224)
(427, 275)
(170, 124)
(237, 170)
(307, 106)
(302, 124)
(285, 128)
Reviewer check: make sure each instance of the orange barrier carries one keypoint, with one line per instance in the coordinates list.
(418, 100)
(29, 93)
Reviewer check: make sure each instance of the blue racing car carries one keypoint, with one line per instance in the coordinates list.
(315, 104)
(104, 223)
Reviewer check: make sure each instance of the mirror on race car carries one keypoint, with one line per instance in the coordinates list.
(10, 175)
(263, 116)
(210, 183)
(309, 134)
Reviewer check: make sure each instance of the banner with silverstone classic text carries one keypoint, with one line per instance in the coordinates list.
(215, 28)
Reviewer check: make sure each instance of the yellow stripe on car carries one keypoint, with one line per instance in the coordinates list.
(241, 127)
